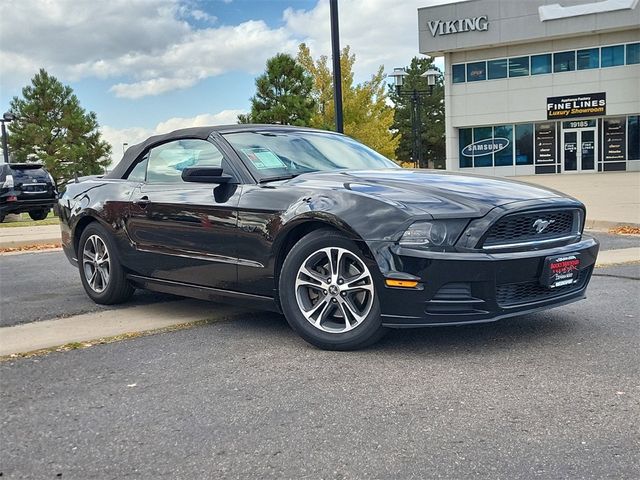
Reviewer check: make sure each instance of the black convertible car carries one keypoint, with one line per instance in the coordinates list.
(318, 226)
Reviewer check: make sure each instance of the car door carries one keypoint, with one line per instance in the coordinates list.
(182, 231)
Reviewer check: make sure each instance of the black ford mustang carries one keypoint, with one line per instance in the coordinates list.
(322, 228)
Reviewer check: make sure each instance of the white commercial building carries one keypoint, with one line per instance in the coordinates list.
(538, 86)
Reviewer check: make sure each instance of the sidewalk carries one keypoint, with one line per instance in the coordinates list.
(11, 237)
(612, 199)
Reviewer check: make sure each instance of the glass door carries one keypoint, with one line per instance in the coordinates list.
(579, 150)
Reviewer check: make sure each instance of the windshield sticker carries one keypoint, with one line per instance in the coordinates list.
(263, 158)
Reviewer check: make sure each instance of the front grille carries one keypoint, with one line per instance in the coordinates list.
(511, 294)
(522, 227)
(34, 188)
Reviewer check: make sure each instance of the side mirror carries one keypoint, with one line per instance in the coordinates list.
(205, 175)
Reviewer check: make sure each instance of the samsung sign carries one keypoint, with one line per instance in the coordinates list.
(446, 27)
(485, 147)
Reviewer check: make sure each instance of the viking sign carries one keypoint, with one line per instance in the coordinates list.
(446, 27)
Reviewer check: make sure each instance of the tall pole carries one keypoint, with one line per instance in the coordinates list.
(5, 150)
(418, 130)
(337, 74)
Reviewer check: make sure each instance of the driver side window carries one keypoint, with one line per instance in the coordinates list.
(167, 161)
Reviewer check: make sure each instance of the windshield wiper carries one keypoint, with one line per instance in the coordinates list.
(287, 176)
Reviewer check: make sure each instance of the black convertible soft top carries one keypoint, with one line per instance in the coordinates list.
(134, 151)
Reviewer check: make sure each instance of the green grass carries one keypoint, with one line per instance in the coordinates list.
(25, 221)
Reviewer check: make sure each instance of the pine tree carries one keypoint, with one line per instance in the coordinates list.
(52, 128)
(431, 127)
(367, 117)
(282, 94)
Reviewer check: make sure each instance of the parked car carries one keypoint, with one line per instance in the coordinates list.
(318, 226)
(26, 187)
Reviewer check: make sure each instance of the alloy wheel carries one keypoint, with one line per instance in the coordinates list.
(334, 290)
(96, 263)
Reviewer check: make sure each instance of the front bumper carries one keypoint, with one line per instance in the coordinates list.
(474, 287)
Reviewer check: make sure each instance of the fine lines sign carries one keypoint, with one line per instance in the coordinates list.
(583, 105)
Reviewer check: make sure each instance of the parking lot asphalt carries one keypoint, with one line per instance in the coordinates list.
(550, 395)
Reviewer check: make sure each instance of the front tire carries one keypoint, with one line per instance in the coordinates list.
(38, 214)
(328, 293)
(103, 278)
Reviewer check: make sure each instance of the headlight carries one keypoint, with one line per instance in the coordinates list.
(434, 234)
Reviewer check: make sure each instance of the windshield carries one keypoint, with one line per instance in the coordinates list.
(288, 153)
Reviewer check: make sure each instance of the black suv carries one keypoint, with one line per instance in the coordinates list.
(26, 187)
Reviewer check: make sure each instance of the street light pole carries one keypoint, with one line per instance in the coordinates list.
(398, 76)
(337, 73)
(6, 117)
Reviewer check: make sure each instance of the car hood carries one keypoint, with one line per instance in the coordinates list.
(436, 193)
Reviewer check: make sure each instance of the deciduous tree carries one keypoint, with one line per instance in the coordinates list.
(367, 116)
(52, 128)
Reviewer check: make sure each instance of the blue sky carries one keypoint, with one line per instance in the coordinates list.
(150, 66)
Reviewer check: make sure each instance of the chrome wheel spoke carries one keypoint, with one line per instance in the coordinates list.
(96, 263)
(334, 290)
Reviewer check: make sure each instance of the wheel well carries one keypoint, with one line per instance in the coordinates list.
(299, 231)
(77, 233)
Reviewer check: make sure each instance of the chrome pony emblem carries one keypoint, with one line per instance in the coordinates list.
(540, 225)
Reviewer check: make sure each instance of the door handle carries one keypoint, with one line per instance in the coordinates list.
(142, 202)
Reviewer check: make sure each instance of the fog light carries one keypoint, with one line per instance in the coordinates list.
(401, 283)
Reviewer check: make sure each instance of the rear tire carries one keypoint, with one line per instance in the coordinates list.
(328, 294)
(2, 215)
(38, 214)
(102, 275)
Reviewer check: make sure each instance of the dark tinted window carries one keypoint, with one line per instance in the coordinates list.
(458, 74)
(482, 133)
(633, 53)
(564, 61)
(497, 69)
(167, 161)
(519, 67)
(633, 138)
(524, 144)
(588, 58)
(465, 138)
(476, 71)
(540, 64)
(505, 156)
(612, 56)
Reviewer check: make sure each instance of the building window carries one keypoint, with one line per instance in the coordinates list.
(458, 73)
(633, 138)
(476, 71)
(564, 61)
(524, 144)
(483, 160)
(540, 64)
(504, 157)
(465, 138)
(633, 53)
(588, 58)
(497, 69)
(519, 67)
(612, 56)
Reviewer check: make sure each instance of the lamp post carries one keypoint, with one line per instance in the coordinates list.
(6, 117)
(398, 79)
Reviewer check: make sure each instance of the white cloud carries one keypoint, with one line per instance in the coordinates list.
(116, 137)
(149, 48)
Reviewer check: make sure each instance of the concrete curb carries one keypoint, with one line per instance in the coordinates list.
(616, 257)
(604, 225)
(12, 237)
(48, 334)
